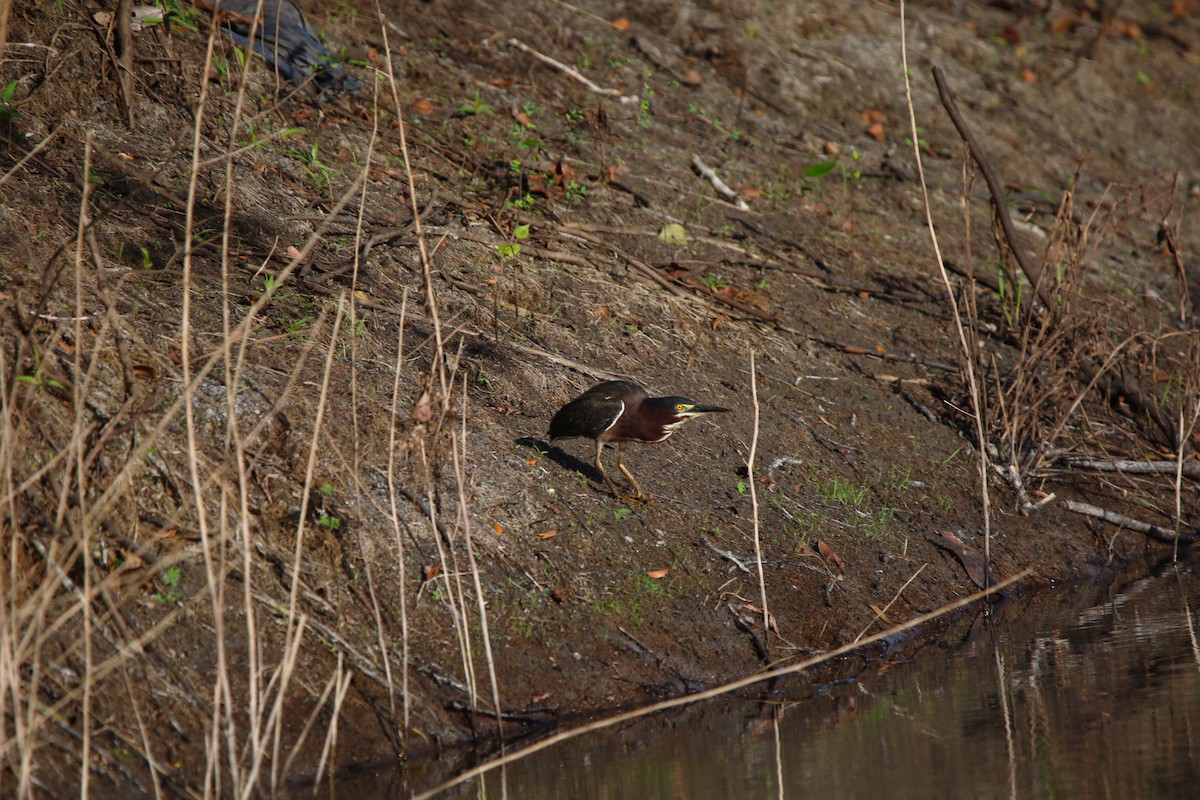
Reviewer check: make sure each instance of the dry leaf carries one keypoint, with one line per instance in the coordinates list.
(1028, 75)
(559, 595)
(422, 106)
(431, 571)
(498, 528)
(422, 410)
(130, 560)
(1062, 25)
(657, 574)
(876, 132)
(621, 24)
(879, 613)
(1011, 34)
(691, 78)
(872, 116)
(544, 535)
(293, 252)
(1131, 30)
(828, 554)
(145, 372)
(968, 556)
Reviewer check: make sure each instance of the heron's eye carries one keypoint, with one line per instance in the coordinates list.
(679, 406)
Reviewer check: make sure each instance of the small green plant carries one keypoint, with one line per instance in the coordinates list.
(577, 192)
(182, 14)
(715, 283)
(8, 111)
(37, 377)
(574, 115)
(845, 493)
(820, 169)
(477, 108)
(310, 160)
(650, 585)
(622, 513)
(524, 203)
(170, 579)
(330, 522)
(509, 251)
(1011, 292)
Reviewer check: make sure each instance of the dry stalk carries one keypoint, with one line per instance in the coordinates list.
(461, 624)
(431, 305)
(222, 695)
(395, 518)
(234, 440)
(762, 581)
(298, 554)
(79, 446)
(968, 356)
(464, 511)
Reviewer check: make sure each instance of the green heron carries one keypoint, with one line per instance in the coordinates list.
(619, 412)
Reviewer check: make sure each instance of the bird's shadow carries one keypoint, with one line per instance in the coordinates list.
(561, 457)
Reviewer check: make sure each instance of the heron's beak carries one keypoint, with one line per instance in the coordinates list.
(699, 410)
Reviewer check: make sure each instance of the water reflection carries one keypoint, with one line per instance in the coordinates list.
(1087, 692)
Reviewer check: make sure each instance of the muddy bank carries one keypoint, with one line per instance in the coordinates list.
(273, 482)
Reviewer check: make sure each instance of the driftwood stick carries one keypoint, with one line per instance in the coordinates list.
(1155, 532)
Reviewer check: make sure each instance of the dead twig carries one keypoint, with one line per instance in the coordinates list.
(573, 74)
(718, 184)
(738, 561)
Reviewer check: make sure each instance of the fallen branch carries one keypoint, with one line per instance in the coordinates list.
(1155, 532)
(718, 184)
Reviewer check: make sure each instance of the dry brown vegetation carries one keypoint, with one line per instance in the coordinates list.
(275, 372)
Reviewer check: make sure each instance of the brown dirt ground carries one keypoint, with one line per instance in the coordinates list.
(864, 445)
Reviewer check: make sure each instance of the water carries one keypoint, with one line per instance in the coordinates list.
(1087, 692)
